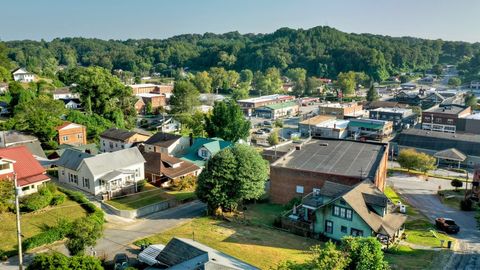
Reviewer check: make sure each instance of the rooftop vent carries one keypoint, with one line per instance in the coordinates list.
(298, 147)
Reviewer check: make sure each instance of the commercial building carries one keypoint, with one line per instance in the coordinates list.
(469, 123)
(369, 129)
(307, 126)
(400, 117)
(251, 104)
(324, 126)
(309, 166)
(432, 142)
(156, 101)
(342, 110)
(278, 110)
(444, 118)
(144, 88)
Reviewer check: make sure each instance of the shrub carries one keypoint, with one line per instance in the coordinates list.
(58, 199)
(141, 185)
(292, 202)
(466, 205)
(48, 236)
(50, 187)
(36, 202)
(186, 183)
(456, 183)
(143, 242)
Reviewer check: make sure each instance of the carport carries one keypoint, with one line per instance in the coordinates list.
(450, 155)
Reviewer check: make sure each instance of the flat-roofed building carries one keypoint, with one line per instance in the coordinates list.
(251, 104)
(308, 166)
(469, 123)
(444, 118)
(143, 88)
(278, 110)
(342, 110)
(400, 117)
(307, 126)
(370, 129)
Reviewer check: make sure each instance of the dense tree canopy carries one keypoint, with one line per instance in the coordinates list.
(411, 159)
(185, 97)
(48, 261)
(321, 51)
(227, 122)
(232, 175)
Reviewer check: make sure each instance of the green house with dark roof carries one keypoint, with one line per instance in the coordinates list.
(203, 149)
(278, 110)
(335, 210)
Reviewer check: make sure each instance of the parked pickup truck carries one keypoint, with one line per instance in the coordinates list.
(447, 225)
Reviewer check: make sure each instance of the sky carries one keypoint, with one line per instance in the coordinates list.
(122, 19)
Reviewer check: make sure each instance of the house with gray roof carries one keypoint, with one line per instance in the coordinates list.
(12, 138)
(337, 210)
(108, 174)
(187, 254)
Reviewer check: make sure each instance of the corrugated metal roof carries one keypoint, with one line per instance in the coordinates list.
(72, 158)
(107, 162)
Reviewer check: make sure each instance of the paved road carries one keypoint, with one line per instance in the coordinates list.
(120, 233)
(423, 195)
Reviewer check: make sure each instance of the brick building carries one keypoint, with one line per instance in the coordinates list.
(342, 110)
(157, 101)
(309, 166)
(444, 118)
(71, 133)
(251, 104)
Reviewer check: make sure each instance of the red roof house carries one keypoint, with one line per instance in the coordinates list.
(30, 174)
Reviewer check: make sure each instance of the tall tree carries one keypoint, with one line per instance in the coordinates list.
(298, 77)
(219, 78)
(346, 82)
(231, 176)
(227, 122)
(372, 94)
(365, 253)
(246, 76)
(203, 82)
(185, 97)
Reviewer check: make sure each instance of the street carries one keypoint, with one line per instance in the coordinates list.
(422, 195)
(120, 233)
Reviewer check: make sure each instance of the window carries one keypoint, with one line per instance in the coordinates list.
(450, 121)
(79, 136)
(63, 172)
(4, 166)
(355, 232)
(343, 229)
(25, 188)
(65, 138)
(204, 153)
(299, 189)
(328, 226)
(86, 182)
(111, 144)
(137, 172)
(342, 212)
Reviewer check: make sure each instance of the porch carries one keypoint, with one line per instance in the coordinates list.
(118, 183)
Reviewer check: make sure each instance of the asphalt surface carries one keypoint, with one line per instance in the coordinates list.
(422, 195)
(119, 233)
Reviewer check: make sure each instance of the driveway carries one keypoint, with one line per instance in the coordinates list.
(120, 233)
(422, 195)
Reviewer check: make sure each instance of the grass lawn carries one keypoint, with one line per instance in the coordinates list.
(452, 198)
(149, 195)
(405, 258)
(263, 213)
(418, 228)
(34, 223)
(182, 195)
(259, 246)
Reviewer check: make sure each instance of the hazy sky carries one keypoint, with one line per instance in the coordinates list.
(122, 19)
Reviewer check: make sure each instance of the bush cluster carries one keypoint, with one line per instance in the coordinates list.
(186, 183)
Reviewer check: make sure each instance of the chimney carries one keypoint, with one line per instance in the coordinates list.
(190, 137)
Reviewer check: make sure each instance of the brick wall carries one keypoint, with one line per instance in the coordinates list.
(74, 136)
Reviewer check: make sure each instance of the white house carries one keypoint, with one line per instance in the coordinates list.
(109, 174)
(114, 139)
(22, 75)
(73, 104)
(65, 93)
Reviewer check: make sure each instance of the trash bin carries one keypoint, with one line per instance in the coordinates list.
(449, 244)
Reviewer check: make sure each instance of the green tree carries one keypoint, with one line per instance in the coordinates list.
(329, 257)
(148, 108)
(312, 86)
(346, 82)
(7, 195)
(5, 75)
(471, 100)
(203, 82)
(58, 261)
(273, 138)
(85, 233)
(231, 176)
(95, 124)
(411, 159)
(456, 183)
(454, 82)
(241, 91)
(372, 94)
(298, 77)
(227, 122)
(192, 123)
(219, 78)
(269, 82)
(365, 253)
(246, 76)
(39, 116)
(437, 69)
(185, 97)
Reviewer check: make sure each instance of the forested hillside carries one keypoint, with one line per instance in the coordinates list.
(322, 51)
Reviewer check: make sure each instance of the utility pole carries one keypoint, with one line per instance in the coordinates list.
(19, 230)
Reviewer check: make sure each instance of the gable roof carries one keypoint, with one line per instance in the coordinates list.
(72, 158)
(67, 124)
(365, 194)
(117, 134)
(163, 139)
(451, 154)
(107, 162)
(20, 71)
(28, 169)
(163, 164)
(181, 253)
(214, 145)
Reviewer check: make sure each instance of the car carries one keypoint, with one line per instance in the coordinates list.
(267, 123)
(266, 130)
(447, 225)
(259, 132)
(120, 261)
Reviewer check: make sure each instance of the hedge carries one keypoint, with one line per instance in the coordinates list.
(59, 232)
